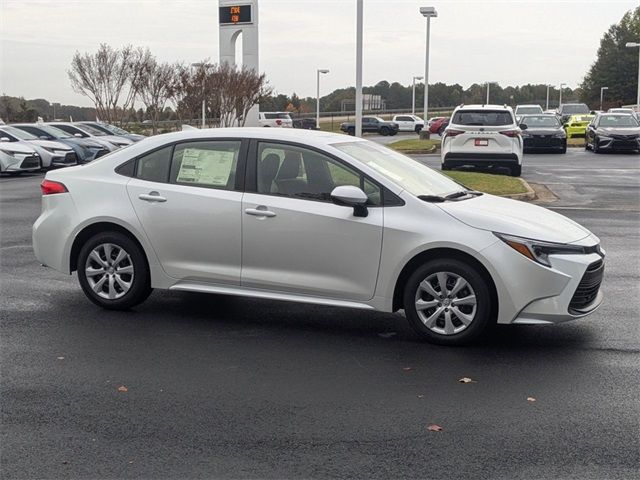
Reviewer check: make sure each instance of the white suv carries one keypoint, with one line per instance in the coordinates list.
(483, 136)
(409, 123)
(275, 119)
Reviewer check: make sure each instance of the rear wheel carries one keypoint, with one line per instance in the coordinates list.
(445, 166)
(447, 302)
(516, 170)
(113, 271)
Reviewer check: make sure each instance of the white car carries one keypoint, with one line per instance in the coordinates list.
(409, 123)
(275, 119)
(112, 142)
(528, 110)
(483, 136)
(312, 217)
(16, 157)
(52, 154)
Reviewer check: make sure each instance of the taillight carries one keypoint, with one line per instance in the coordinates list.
(452, 133)
(278, 122)
(50, 187)
(511, 133)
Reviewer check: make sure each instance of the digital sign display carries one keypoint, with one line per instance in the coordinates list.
(235, 14)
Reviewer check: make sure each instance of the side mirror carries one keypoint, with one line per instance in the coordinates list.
(78, 135)
(350, 196)
(5, 139)
(43, 137)
(523, 126)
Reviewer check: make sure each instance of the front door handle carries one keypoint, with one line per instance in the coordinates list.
(260, 211)
(152, 197)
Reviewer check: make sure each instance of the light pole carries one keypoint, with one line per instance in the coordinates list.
(560, 100)
(636, 45)
(413, 97)
(199, 65)
(427, 12)
(318, 72)
(359, 9)
(547, 108)
(602, 89)
(488, 83)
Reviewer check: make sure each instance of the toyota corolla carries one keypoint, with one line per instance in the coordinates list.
(313, 217)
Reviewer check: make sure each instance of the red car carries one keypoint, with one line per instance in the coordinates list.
(438, 126)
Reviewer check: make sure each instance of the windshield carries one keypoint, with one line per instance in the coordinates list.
(486, 118)
(414, 177)
(21, 134)
(526, 110)
(577, 108)
(114, 129)
(540, 121)
(92, 130)
(617, 121)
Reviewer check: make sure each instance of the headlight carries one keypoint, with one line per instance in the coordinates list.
(559, 135)
(539, 251)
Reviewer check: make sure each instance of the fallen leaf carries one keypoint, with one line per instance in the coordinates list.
(420, 396)
(466, 380)
(406, 369)
(531, 399)
(434, 428)
(122, 388)
(387, 334)
(60, 358)
(130, 462)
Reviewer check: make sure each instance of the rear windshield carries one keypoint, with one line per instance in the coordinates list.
(540, 121)
(483, 118)
(526, 110)
(271, 116)
(617, 121)
(577, 108)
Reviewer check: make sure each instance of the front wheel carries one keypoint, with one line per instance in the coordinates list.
(384, 131)
(594, 146)
(113, 271)
(447, 302)
(351, 131)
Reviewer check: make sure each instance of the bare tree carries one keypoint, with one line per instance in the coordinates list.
(156, 86)
(110, 78)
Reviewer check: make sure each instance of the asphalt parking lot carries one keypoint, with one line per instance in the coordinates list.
(239, 388)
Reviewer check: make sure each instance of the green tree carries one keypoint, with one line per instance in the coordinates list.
(616, 66)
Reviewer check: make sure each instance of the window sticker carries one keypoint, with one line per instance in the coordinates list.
(209, 167)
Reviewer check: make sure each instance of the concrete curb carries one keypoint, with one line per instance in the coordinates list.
(527, 196)
(433, 149)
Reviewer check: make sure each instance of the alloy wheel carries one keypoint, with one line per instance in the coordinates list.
(446, 303)
(109, 271)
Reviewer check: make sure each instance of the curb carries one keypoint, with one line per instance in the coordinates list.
(527, 196)
(433, 149)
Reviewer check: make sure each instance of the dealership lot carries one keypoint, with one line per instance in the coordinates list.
(238, 387)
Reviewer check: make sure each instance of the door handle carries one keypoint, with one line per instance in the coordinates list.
(260, 211)
(152, 197)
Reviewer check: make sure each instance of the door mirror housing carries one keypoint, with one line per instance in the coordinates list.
(523, 126)
(78, 135)
(350, 196)
(5, 139)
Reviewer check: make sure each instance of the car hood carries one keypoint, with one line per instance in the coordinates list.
(85, 142)
(18, 147)
(116, 139)
(512, 217)
(618, 131)
(50, 144)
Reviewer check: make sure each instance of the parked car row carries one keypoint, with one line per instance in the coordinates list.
(27, 147)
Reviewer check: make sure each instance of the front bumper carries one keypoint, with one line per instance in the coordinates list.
(623, 143)
(24, 163)
(544, 142)
(66, 160)
(481, 159)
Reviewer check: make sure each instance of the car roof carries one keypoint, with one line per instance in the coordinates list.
(529, 105)
(484, 107)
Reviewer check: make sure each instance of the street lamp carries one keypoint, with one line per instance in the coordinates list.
(488, 83)
(636, 45)
(560, 101)
(413, 97)
(359, 8)
(318, 72)
(427, 12)
(200, 65)
(602, 89)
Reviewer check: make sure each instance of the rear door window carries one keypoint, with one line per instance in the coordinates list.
(209, 164)
(482, 118)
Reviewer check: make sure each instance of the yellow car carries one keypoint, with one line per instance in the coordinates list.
(576, 126)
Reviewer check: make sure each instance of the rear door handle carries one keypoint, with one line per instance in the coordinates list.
(152, 197)
(260, 211)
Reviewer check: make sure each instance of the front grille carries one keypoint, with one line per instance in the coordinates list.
(543, 141)
(30, 162)
(70, 158)
(588, 288)
(624, 144)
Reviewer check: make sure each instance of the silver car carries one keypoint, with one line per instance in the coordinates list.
(17, 158)
(53, 154)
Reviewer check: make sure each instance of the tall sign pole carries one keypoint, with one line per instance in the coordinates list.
(359, 8)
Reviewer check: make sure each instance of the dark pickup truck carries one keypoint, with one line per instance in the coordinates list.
(371, 125)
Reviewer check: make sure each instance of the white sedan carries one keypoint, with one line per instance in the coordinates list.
(409, 123)
(312, 217)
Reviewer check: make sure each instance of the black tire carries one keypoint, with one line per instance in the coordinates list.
(586, 144)
(351, 131)
(564, 148)
(418, 129)
(484, 309)
(594, 147)
(445, 166)
(393, 133)
(140, 287)
(516, 171)
(384, 131)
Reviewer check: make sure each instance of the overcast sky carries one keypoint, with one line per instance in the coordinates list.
(512, 42)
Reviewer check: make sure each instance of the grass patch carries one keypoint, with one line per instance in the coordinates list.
(415, 145)
(488, 183)
(575, 142)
